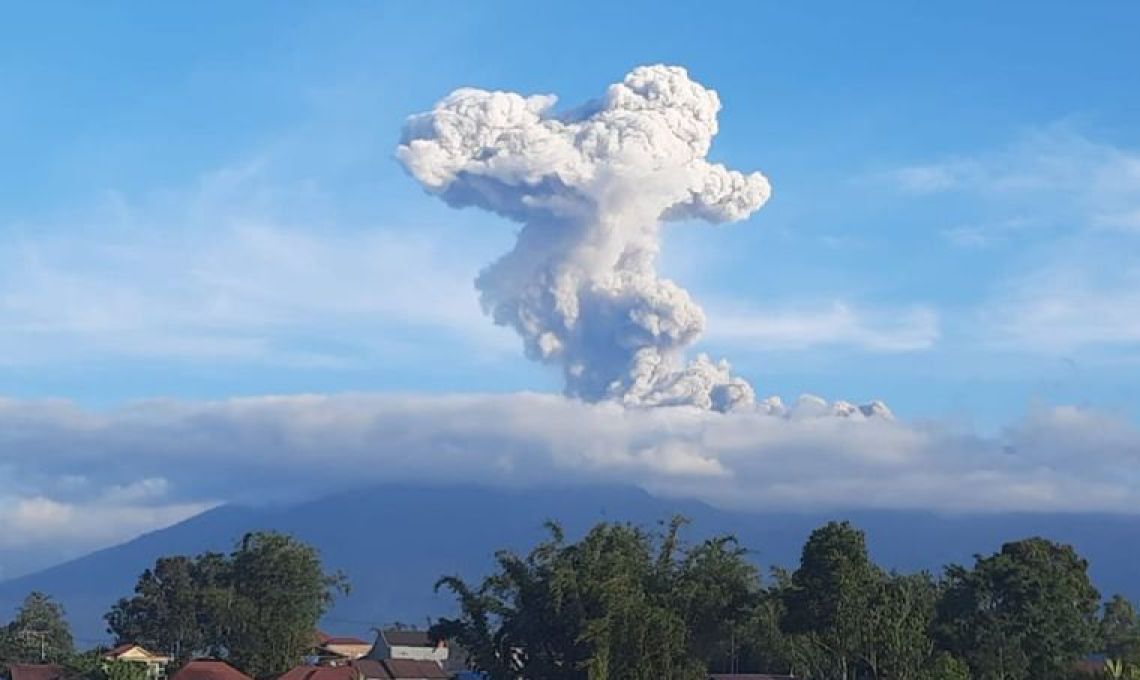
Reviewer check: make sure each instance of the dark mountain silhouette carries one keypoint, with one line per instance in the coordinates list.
(394, 542)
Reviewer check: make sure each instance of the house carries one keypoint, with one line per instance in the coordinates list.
(414, 669)
(155, 664)
(371, 669)
(415, 645)
(209, 669)
(35, 671)
(333, 651)
(344, 672)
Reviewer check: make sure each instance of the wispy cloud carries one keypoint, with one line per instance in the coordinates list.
(211, 275)
(837, 324)
(1069, 208)
(1055, 164)
(1068, 304)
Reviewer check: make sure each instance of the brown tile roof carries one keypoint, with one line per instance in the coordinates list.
(320, 673)
(207, 669)
(411, 669)
(35, 671)
(370, 669)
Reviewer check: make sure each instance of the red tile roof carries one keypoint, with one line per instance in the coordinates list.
(205, 669)
(370, 669)
(401, 669)
(321, 673)
(35, 671)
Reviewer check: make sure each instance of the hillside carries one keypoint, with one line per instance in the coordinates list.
(394, 541)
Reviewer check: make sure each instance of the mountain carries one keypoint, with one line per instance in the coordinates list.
(393, 542)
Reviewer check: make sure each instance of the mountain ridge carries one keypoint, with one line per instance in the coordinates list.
(395, 541)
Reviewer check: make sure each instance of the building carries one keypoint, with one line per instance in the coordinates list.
(344, 672)
(414, 669)
(371, 669)
(415, 645)
(209, 669)
(131, 653)
(334, 651)
(35, 671)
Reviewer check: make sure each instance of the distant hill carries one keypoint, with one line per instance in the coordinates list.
(395, 541)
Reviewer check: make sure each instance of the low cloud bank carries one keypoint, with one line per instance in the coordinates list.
(69, 468)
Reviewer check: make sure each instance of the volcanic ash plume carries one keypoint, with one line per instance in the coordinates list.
(591, 188)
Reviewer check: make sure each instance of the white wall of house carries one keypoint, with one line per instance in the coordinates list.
(382, 650)
(418, 653)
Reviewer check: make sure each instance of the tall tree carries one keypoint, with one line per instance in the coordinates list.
(829, 599)
(897, 642)
(618, 604)
(1120, 631)
(170, 610)
(39, 632)
(256, 607)
(763, 646)
(1028, 610)
(718, 591)
(276, 596)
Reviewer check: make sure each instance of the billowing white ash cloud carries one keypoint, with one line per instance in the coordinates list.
(591, 188)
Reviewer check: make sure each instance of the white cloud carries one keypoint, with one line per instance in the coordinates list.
(1067, 303)
(39, 529)
(1071, 206)
(1054, 165)
(285, 447)
(37, 522)
(838, 324)
(215, 279)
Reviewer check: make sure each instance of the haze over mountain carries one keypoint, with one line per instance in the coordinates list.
(394, 541)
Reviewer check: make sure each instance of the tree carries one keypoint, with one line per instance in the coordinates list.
(277, 592)
(897, 643)
(763, 646)
(618, 604)
(946, 666)
(170, 609)
(39, 632)
(718, 591)
(1027, 611)
(92, 666)
(1120, 631)
(256, 607)
(829, 599)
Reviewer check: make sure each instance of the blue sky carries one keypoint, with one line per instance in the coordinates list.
(202, 209)
(939, 174)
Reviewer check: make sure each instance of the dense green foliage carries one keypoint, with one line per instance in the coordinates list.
(1120, 631)
(1028, 611)
(92, 666)
(256, 607)
(625, 604)
(38, 632)
(622, 603)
